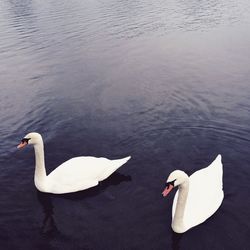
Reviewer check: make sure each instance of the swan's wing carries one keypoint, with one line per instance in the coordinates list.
(81, 167)
(205, 193)
(80, 173)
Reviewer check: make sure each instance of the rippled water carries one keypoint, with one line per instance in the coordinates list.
(164, 81)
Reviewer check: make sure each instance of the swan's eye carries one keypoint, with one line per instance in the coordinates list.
(170, 183)
(25, 140)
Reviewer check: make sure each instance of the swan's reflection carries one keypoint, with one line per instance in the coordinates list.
(49, 227)
(176, 238)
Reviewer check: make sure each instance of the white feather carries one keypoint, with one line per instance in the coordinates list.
(204, 196)
(74, 175)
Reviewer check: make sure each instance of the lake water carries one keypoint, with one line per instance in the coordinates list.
(167, 82)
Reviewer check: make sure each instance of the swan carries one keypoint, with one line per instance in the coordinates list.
(74, 175)
(198, 196)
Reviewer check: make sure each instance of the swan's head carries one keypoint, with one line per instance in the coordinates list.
(31, 138)
(175, 179)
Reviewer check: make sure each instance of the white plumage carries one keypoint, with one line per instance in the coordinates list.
(74, 175)
(198, 196)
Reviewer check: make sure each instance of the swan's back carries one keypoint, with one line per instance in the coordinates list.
(205, 193)
(82, 172)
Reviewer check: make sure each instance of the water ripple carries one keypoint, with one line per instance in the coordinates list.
(164, 81)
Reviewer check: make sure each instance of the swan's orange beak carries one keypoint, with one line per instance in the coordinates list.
(22, 144)
(167, 190)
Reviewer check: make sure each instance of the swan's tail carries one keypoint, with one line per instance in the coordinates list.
(219, 158)
(114, 165)
(122, 161)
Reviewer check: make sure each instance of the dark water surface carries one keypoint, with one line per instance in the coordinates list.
(167, 82)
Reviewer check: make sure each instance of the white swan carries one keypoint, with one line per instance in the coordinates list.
(198, 196)
(74, 175)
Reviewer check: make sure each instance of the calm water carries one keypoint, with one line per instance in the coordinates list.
(167, 82)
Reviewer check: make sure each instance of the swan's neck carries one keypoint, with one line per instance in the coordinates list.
(40, 171)
(177, 223)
